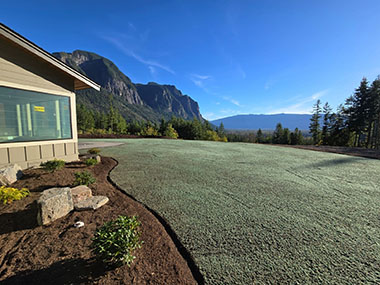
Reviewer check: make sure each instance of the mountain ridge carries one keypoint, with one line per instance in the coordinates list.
(265, 121)
(135, 101)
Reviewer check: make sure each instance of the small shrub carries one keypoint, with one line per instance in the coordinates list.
(94, 151)
(116, 240)
(91, 161)
(84, 178)
(9, 194)
(53, 165)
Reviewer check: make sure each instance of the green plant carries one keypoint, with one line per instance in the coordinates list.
(91, 161)
(94, 150)
(53, 165)
(116, 240)
(9, 194)
(84, 178)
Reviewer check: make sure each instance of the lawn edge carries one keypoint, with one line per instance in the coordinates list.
(186, 255)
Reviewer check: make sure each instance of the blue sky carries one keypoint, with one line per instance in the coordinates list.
(233, 57)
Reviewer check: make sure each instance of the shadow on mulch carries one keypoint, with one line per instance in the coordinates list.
(18, 221)
(69, 271)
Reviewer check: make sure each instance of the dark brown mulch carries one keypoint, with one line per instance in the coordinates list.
(354, 151)
(60, 254)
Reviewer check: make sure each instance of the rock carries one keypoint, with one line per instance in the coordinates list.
(78, 224)
(54, 203)
(80, 193)
(10, 174)
(98, 159)
(95, 156)
(92, 203)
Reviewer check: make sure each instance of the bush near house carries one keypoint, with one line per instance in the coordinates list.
(10, 194)
(53, 165)
(116, 240)
(91, 162)
(94, 150)
(84, 178)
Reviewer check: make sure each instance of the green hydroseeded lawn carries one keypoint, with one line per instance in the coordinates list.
(253, 213)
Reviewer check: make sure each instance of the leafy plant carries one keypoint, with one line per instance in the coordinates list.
(9, 194)
(116, 240)
(94, 150)
(53, 165)
(91, 161)
(84, 178)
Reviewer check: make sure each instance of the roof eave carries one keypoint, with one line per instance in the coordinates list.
(36, 50)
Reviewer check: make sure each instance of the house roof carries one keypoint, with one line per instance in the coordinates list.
(80, 81)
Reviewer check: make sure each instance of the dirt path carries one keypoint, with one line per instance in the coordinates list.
(354, 151)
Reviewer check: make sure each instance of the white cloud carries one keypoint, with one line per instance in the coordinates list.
(201, 77)
(129, 52)
(302, 106)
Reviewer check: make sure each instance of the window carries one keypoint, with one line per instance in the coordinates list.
(33, 116)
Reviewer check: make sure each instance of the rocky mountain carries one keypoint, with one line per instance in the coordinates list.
(150, 101)
(265, 122)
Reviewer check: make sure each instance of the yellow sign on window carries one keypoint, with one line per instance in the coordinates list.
(39, 109)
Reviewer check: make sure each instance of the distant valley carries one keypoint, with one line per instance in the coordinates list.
(265, 122)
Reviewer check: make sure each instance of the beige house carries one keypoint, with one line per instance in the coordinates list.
(37, 103)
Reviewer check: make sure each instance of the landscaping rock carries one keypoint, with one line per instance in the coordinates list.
(54, 203)
(95, 156)
(10, 174)
(93, 203)
(80, 193)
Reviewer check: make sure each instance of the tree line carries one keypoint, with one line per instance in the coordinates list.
(112, 122)
(279, 136)
(355, 123)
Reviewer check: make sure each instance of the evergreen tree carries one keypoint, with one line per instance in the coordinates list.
(374, 115)
(278, 134)
(358, 111)
(296, 137)
(326, 123)
(221, 130)
(85, 119)
(259, 136)
(314, 122)
(285, 138)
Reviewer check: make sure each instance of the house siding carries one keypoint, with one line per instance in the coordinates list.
(23, 70)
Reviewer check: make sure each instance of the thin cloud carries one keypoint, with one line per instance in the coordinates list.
(139, 58)
(302, 106)
(231, 100)
(201, 77)
(241, 71)
(199, 80)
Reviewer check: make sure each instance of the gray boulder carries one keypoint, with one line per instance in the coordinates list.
(54, 203)
(10, 174)
(91, 203)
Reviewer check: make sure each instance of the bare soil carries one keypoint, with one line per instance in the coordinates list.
(59, 253)
(354, 151)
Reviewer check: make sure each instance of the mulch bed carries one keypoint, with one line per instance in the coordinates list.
(59, 253)
(354, 151)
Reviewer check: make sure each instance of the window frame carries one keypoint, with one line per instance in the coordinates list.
(44, 140)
